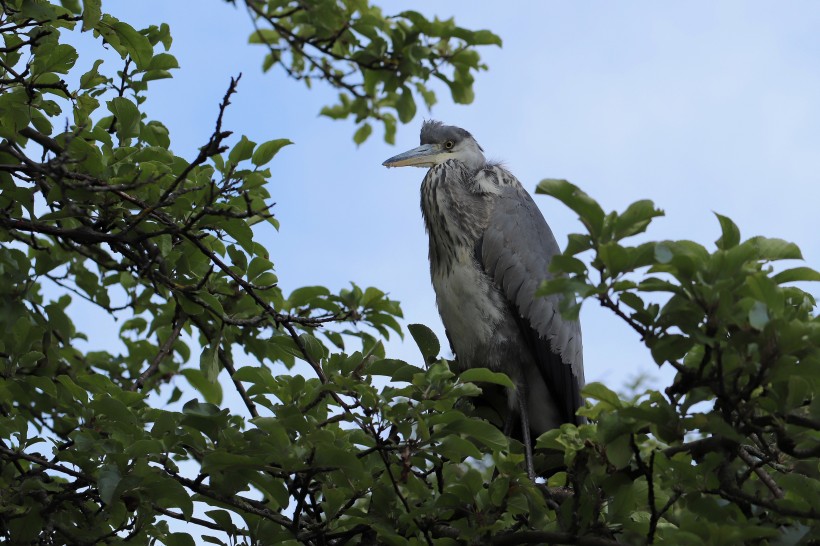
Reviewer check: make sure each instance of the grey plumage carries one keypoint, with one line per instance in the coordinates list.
(490, 248)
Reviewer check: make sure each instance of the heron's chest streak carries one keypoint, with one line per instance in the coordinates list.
(472, 308)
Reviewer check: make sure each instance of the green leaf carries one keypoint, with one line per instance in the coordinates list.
(267, 150)
(499, 489)
(614, 257)
(37, 380)
(240, 231)
(797, 274)
(171, 494)
(58, 58)
(764, 289)
(313, 346)
(684, 259)
(461, 88)
(209, 360)
(204, 417)
(632, 300)
(210, 390)
(565, 285)
(406, 105)
(799, 390)
(107, 482)
(577, 243)
(128, 117)
(775, 249)
(619, 451)
(241, 151)
(307, 295)
(670, 347)
(485, 37)
(635, 218)
(223, 519)
(132, 43)
(190, 307)
(590, 212)
(179, 539)
(45, 384)
(92, 12)
(114, 409)
(362, 133)
(801, 488)
(563, 263)
(426, 341)
(480, 430)
(155, 134)
(220, 460)
(397, 370)
(730, 233)
(457, 448)
(71, 5)
(258, 266)
(41, 122)
(163, 61)
(76, 392)
(152, 75)
(338, 111)
(602, 393)
(484, 375)
(266, 36)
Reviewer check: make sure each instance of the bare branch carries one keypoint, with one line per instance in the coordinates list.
(764, 476)
(164, 351)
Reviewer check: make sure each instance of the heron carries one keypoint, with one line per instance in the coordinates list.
(490, 249)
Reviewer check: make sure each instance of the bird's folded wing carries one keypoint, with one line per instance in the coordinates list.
(516, 250)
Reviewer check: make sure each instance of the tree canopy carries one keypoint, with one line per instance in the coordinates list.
(364, 448)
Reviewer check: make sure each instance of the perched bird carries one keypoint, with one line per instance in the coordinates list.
(490, 248)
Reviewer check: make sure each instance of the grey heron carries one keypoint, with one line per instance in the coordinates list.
(490, 248)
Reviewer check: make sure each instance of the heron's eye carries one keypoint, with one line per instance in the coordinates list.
(449, 144)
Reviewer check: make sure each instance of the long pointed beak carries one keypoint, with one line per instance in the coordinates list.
(426, 155)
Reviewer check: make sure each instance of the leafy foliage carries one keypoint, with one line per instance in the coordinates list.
(139, 447)
(380, 64)
(729, 440)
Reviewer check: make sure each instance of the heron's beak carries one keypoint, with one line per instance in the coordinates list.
(426, 155)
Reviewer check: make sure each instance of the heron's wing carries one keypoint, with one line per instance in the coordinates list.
(516, 250)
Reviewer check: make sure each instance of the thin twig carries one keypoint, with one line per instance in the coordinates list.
(12, 455)
(198, 521)
(164, 351)
(764, 476)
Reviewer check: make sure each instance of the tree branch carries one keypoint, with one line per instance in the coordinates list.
(164, 351)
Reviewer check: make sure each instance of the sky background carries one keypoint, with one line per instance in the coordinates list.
(699, 106)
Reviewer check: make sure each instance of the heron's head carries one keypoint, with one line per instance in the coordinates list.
(440, 143)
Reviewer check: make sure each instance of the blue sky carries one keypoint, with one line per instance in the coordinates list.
(699, 106)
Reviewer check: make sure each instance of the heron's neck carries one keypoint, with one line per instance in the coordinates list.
(454, 215)
(470, 155)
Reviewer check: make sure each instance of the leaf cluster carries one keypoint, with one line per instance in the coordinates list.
(381, 65)
(734, 441)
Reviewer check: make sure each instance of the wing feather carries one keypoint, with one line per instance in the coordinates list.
(516, 250)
